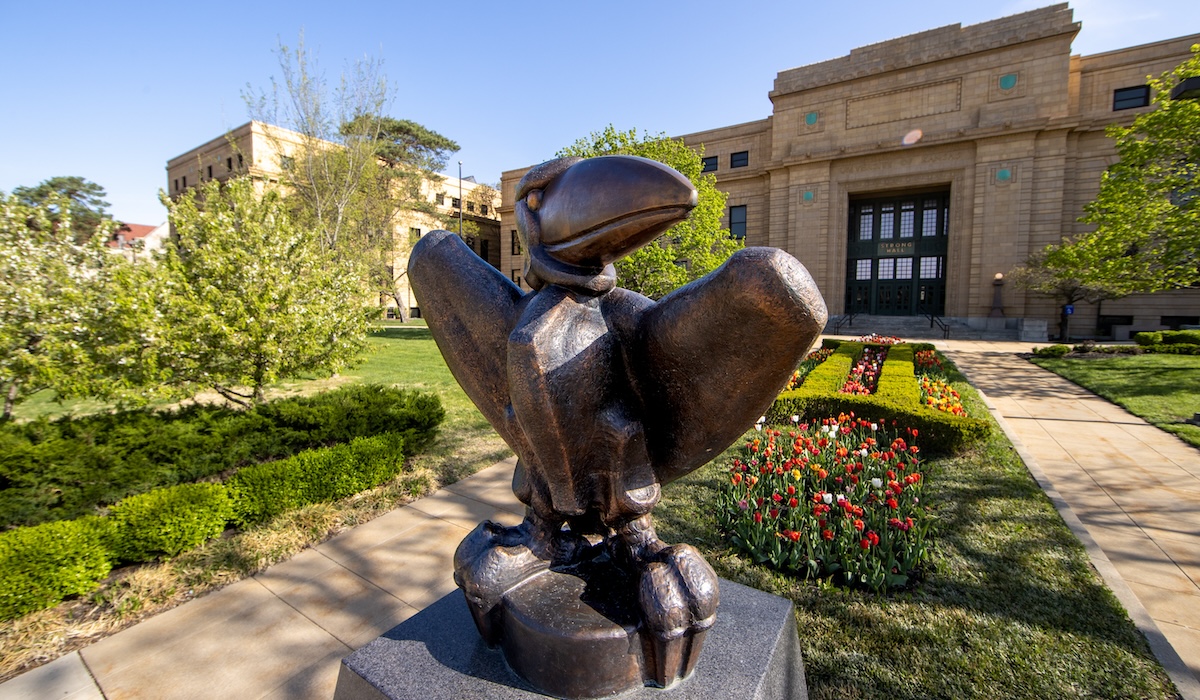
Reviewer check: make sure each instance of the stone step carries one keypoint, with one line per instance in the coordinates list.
(917, 328)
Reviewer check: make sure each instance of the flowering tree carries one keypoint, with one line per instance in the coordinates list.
(688, 250)
(248, 297)
(49, 281)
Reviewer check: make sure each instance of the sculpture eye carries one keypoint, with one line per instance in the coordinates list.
(533, 200)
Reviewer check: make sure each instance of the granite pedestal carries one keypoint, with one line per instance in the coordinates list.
(752, 652)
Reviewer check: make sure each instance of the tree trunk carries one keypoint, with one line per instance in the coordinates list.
(10, 399)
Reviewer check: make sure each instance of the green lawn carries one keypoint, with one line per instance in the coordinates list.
(1161, 389)
(1010, 606)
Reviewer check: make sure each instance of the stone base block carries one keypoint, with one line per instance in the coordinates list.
(751, 652)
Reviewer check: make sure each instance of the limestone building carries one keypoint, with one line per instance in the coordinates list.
(909, 173)
(263, 150)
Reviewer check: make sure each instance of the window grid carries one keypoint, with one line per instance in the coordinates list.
(886, 215)
(864, 223)
(737, 221)
(516, 244)
(740, 159)
(929, 219)
(931, 268)
(863, 270)
(907, 214)
(1131, 97)
(904, 268)
(887, 267)
(710, 164)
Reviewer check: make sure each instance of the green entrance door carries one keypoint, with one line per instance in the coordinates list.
(896, 261)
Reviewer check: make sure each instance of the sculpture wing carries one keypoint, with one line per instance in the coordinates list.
(711, 357)
(471, 308)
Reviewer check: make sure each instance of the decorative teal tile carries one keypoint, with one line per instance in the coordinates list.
(808, 195)
(1008, 81)
(810, 118)
(1003, 175)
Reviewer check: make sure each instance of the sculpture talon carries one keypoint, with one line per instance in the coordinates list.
(605, 396)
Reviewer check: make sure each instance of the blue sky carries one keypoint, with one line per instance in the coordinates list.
(111, 91)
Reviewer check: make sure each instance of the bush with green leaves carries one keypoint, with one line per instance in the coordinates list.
(62, 469)
(263, 491)
(165, 522)
(1051, 351)
(896, 401)
(41, 565)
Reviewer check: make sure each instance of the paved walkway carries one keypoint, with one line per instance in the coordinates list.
(281, 634)
(1133, 492)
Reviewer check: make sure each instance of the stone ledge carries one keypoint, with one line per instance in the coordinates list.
(753, 651)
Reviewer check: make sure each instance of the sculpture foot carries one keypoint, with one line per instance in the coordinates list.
(678, 596)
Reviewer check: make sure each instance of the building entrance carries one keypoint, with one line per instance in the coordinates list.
(896, 257)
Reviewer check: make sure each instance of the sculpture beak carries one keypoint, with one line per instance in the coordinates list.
(602, 209)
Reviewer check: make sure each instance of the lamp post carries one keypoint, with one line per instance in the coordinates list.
(997, 303)
(460, 202)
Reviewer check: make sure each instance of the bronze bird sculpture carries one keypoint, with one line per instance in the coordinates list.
(604, 395)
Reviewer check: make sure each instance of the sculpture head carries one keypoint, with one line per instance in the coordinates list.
(577, 216)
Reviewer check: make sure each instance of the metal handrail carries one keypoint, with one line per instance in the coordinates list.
(843, 320)
(937, 321)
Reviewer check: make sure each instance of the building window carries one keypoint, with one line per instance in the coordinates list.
(740, 159)
(441, 199)
(210, 172)
(1131, 97)
(931, 268)
(907, 214)
(737, 222)
(456, 203)
(904, 268)
(516, 277)
(710, 164)
(229, 165)
(865, 214)
(886, 215)
(483, 248)
(887, 268)
(471, 207)
(516, 243)
(483, 209)
(862, 270)
(929, 218)
(239, 161)
(287, 162)
(185, 182)
(176, 184)
(414, 235)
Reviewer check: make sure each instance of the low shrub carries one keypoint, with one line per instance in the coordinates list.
(1188, 337)
(1148, 338)
(263, 491)
(841, 498)
(167, 521)
(896, 401)
(41, 565)
(62, 469)
(1051, 351)
(1174, 349)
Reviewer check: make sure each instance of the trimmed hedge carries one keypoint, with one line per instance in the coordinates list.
(897, 399)
(1051, 351)
(1174, 349)
(62, 469)
(1154, 338)
(165, 522)
(262, 491)
(41, 565)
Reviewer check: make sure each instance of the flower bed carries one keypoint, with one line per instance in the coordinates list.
(864, 375)
(876, 339)
(936, 391)
(810, 361)
(841, 499)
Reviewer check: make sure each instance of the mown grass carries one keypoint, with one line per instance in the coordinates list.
(1163, 390)
(1009, 605)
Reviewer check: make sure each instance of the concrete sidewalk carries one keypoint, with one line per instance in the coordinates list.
(283, 633)
(1134, 489)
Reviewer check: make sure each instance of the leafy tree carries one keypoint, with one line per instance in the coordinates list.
(1059, 271)
(81, 199)
(690, 249)
(51, 279)
(352, 170)
(250, 296)
(1147, 213)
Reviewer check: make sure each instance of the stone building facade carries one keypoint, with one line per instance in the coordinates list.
(909, 173)
(262, 150)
